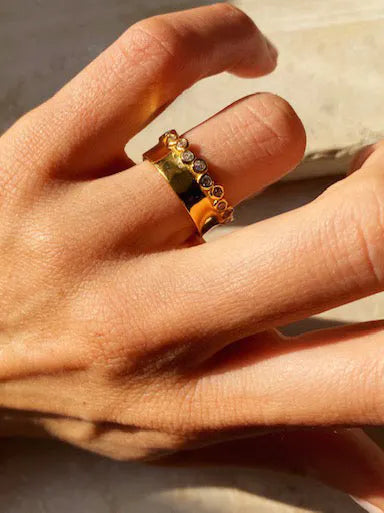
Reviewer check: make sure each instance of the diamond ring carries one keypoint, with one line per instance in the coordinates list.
(188, 176)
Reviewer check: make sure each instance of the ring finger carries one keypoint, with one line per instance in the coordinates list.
(247, 146)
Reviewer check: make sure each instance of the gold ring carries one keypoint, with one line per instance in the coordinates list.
(188, 176)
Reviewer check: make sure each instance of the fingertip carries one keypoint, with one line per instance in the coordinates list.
(296, 135)
(360, 158)
(259, 63)
(261, 138)
(288, 145)
(370, 154)
(272, 48)
(263, 59)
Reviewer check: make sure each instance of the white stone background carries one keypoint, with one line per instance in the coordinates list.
(331, 70)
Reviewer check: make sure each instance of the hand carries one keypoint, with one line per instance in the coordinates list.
(119, 333)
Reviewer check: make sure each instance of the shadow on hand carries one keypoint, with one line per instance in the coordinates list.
(42, 475)
(280, 198)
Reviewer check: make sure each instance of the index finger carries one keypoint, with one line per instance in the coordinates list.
(89, 121)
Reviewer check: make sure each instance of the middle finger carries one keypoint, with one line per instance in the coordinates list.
(320, 256)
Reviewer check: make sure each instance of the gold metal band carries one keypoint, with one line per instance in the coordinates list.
(188, 176)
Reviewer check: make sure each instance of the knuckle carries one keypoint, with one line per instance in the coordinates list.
(102, 331)
(289, 127)
(371, 382)
(107, 328)
(235, 15)
(190, 406)
(47, 256)
(156, 39)
(202, 414)
(368, 155)
(16, 154)
(275, 126)
(24, 159)
(377, 146)
(358, 224)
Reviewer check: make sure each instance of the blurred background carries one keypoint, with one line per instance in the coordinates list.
(332, 71)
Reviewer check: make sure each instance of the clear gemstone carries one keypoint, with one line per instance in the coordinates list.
(199, 166)
(217, 191)
(228, 213)
(187, 157)
(182, 144)
(171, 138)
(206, 181)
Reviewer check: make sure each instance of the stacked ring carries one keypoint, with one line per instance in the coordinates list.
(188, 176)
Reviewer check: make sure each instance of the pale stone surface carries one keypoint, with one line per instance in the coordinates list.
(330, 66)
(331, 69)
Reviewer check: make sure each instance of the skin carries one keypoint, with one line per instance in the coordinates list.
(120, 334)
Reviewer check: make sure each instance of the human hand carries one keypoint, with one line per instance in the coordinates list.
(118, 334)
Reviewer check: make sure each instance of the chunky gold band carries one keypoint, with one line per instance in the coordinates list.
(188, 176)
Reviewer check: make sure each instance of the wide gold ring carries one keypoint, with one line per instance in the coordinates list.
(188, 176)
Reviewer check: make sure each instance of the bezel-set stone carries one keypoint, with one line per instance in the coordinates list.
(182, 144)
(228, 214)
(179, 147)
(171, 138)
(221, 205)
(187, 157)
(228, 219)
(206, 181)
(217, 192)
(199, 166)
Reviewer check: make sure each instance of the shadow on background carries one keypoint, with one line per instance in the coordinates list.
(44, 43)
(59, 478)
(280, 198)
(310, 324)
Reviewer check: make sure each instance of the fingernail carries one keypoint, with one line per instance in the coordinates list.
(367, 506)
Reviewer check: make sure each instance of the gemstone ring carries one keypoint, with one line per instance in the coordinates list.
(188, 176)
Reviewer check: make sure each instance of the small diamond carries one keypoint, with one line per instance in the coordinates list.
(221, 205)
(228, 214)
(199, 166)
(171, 138)
(217, 191)
(182, 144)
(228, 219)
(206, 181)
(187, 157)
